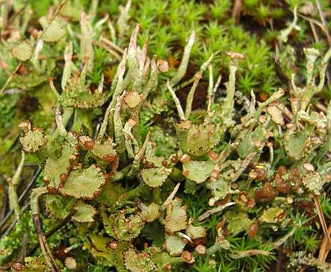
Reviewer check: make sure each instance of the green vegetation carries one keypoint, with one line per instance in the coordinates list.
(165, 135)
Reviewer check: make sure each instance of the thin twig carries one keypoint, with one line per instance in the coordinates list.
(15, 142)
(324, 248)
(53, 18)
(322, 219)
(20, 200)
(23, 251)
(13, 224)
(20, 11)
(325, 25)
(112, 45)
(10, 78)
(44, 244)
(102, 45)
(53, 230)
(236, 11)
(35, 209)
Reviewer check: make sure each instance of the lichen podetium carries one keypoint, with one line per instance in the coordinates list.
(164, 135)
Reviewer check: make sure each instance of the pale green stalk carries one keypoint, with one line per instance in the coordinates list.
(86, 47)
(177, 102)
(138, 157)
(183, 65)
(13, 183)
(190, 96)
(67, 65)
(231, 84)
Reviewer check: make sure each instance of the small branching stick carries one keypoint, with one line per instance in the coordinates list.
(324, 249)
(21, 198)
(325, 29)
(324, 22)
(112, 45)
(101, 44)
(10, 78)
(57, 11)
(93, 9)
(35, 209)
(322, 219)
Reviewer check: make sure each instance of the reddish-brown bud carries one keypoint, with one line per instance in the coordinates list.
(51, 190)
(89, 145)
(253, 229)
(109, 158)
(63, 177)
(149, 165)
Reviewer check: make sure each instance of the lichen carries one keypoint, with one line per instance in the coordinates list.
(184, 136)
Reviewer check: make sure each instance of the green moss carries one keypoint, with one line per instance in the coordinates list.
(151, 157)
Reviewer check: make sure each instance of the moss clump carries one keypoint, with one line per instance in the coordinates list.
(177, 135)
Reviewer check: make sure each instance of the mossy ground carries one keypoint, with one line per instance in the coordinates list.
(198, 140)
